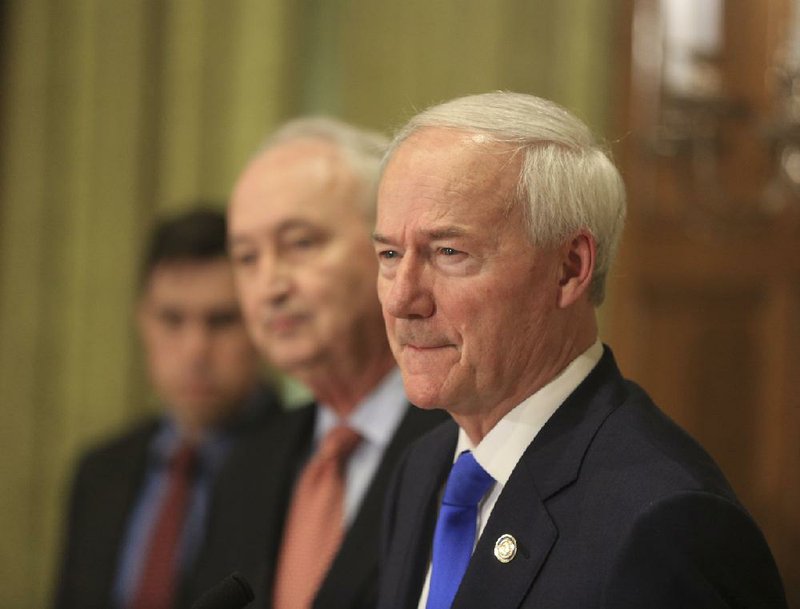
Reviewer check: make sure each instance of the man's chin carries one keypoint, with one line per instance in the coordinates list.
(199, 417)
(429, 361)
(294, 362)
(423, 391)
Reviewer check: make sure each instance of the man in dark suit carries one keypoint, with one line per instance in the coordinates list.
(300, 219)
(137, 518)
(559, 484)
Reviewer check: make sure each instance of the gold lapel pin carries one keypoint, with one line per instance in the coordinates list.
(505, 548)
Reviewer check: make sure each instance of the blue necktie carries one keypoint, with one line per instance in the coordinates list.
(455, 529)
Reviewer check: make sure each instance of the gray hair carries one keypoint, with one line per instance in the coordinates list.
(361, 149)
(568, 181)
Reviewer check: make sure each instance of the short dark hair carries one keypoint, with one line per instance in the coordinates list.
(197, 235)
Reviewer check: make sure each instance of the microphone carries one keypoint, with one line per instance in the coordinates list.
(233, 592)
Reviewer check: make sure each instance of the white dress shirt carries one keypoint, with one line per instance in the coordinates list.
(376, 418)
(501, 449)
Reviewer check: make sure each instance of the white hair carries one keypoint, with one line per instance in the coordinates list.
(361, 149)
(568, 181)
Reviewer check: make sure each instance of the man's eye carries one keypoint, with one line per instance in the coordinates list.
(449, 251)
(302, 243)
(388, 254)
(170, 319)
(243, 259)
(298, 242)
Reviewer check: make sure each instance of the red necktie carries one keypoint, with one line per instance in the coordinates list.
(157, 582)
(315, 524)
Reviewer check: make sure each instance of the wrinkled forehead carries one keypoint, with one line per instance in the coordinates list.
(436, 165)
(305, 177)
(295, 166)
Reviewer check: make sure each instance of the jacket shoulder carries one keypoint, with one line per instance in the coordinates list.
(654, 451)
(693, 549)
(122, 447)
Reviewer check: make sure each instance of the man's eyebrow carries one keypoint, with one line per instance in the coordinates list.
(234, 240)
(437, 233)
(286, 225)
(448, 232)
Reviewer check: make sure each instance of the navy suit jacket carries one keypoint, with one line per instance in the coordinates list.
(612, 506)
(247, 533)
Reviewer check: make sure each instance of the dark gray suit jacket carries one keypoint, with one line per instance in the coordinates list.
(247, 533)
(103, 494)
(612, 506)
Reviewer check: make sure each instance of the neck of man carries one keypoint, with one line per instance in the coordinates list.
(192, 432)
(578, 336)
(343, 383)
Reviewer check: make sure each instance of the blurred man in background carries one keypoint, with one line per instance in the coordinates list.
(141, 501)
(300, 220)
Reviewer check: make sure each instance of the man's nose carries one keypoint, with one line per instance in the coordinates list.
(407, 294)
(274, 279)
(197, 341)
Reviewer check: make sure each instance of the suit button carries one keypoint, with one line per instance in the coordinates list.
(505, 548)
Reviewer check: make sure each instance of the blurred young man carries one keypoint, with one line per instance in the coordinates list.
(141, 502)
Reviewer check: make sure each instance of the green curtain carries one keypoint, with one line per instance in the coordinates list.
(112, 111)
(378, 62)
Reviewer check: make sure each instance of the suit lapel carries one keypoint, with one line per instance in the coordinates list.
(491, 583)
(550, 464)
(412, 518)
(249, 504)
(113, 501)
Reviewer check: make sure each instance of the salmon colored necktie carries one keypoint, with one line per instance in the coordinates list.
(315, 523)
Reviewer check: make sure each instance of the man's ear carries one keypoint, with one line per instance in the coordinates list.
(577, 268)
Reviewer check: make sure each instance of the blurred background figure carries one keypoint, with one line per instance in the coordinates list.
(141, 501)
(305, 528)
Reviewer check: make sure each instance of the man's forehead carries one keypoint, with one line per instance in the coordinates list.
(333, 213)
(173, 274)
(295, 166)
(192, 290)
(456, 158)
(301, 150)
(293, 185)
(443, 173)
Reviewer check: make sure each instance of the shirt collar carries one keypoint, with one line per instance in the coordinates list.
(500, 449)
(166, 442)
(375, 418)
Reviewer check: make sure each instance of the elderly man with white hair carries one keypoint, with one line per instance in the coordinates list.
(306, 529)
(558, 484)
